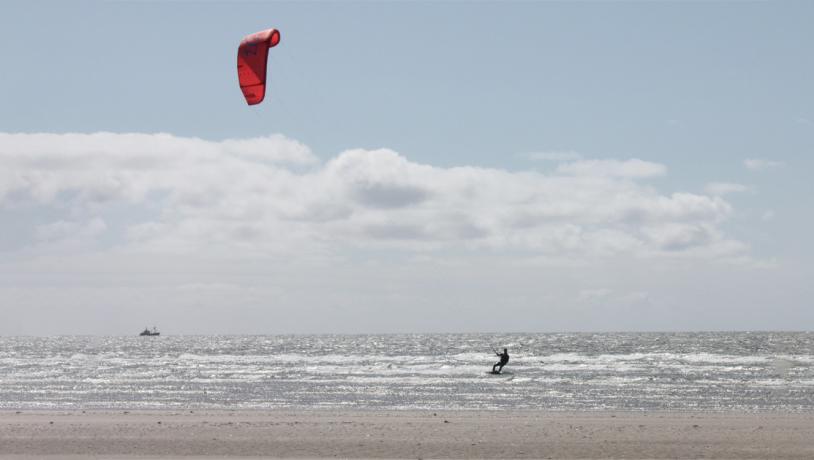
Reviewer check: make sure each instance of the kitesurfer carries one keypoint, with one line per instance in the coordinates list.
(504, 358)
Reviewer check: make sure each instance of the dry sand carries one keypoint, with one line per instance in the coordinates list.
(360, 434)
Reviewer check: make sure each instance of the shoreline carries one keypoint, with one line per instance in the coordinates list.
(393, 412)
(318, 433)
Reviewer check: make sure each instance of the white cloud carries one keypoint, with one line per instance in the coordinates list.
(725, 188)
(558, 156)
(757, 164)
(636, 297)
(164, 193)
(61, 229)
(633, 168)
(594, 295)
(610, 298)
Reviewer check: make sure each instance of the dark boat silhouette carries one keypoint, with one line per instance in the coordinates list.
(147, 331)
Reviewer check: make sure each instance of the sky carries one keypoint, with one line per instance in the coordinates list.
(416, 167)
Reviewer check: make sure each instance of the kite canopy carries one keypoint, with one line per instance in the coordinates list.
(252, 56)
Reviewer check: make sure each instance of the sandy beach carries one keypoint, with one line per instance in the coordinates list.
(389, 434)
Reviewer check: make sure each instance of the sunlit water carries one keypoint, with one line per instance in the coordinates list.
(622, 371)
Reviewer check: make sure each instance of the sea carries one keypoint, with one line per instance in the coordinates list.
(703, 371)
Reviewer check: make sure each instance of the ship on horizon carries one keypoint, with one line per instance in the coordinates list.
(147, 331)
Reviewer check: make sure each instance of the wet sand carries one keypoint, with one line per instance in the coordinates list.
(397, 434)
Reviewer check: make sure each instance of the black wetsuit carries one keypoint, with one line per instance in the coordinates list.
(504, 358)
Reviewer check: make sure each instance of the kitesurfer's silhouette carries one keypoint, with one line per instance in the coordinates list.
(504, 358)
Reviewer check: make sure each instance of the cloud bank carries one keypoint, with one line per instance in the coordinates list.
(558, 156)
(161, 192)
(759, 164)
(725, 188)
